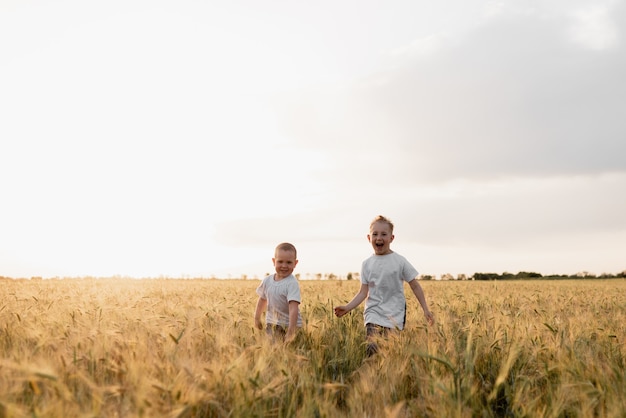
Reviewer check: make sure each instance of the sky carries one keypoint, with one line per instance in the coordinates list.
(187, 139)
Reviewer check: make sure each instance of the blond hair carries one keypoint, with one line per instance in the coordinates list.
(285, 246)
(381, 218)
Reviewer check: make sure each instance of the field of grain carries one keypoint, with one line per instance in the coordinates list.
(188, 348)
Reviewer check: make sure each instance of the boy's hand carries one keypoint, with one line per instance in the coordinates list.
(429, 317)
(258, 323)
(290, 337)
(341, 311)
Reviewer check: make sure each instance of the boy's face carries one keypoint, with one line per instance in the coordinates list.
(381, 238)
(284, 262)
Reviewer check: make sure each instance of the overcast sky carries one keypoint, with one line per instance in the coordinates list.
(188, 138)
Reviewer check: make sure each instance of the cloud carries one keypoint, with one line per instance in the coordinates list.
(595, 27)
(561, 225)
(518, 212)
(514, 97)
(504, 142)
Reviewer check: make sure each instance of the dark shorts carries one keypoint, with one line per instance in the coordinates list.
(374, 333)
(275, 331)
(373, 330)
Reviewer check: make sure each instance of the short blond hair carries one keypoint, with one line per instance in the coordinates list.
(381, 218)
(286, 246)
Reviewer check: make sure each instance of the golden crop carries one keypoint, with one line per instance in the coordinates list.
(188, 348)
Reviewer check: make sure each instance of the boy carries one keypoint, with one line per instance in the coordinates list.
(280, 294)
(382, 277)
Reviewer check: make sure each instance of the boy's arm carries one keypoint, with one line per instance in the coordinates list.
(356, 301)
(294, 306)
(419, 294)
(261, 304)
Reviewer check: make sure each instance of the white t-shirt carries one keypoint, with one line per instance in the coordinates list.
(385, 276)
(278, 295)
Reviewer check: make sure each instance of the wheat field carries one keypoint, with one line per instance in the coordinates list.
(188, 348)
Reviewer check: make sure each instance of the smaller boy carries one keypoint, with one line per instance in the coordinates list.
(383, 275)
(280, 294)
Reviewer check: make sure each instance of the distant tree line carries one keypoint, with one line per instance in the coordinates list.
(524, 275)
